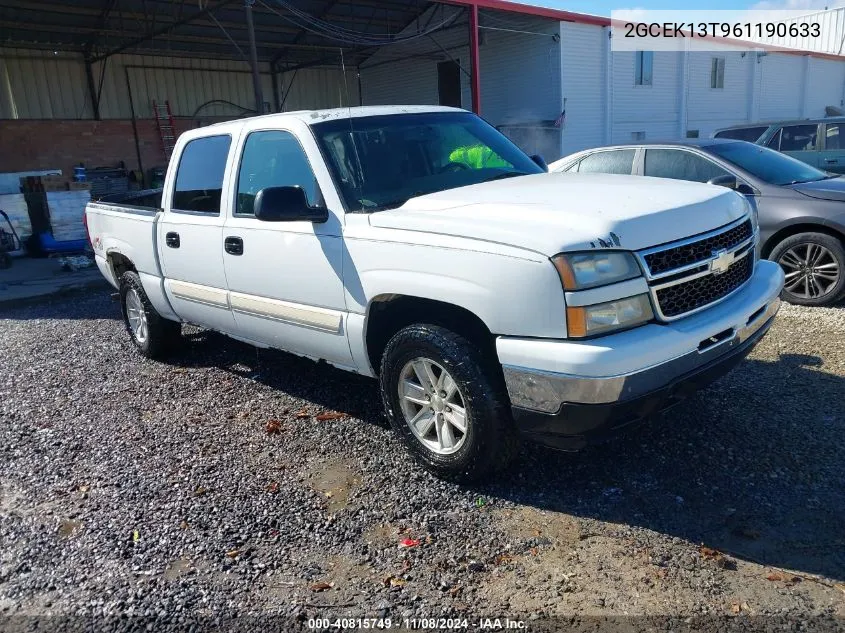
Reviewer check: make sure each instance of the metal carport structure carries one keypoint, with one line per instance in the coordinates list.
(286, 34)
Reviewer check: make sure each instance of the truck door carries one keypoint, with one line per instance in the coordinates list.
(190, 234)
(832, 154)
(285, 278)
(798, 141)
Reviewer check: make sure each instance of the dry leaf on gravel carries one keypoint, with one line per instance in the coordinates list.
(321, 586)
(273, 427)
(409, 542)
(200, 491)
(232, 553)
(328, 415)
(273, 487)
(302, 413)
(393, 581)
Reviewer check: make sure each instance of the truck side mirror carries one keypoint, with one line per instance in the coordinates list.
(540, 162)
(286, 204)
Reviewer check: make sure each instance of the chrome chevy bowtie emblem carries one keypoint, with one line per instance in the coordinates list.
(721, 262)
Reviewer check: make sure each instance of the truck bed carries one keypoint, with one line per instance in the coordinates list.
(125, 229)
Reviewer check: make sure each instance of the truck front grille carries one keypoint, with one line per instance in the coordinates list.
(690, 275)
(699, 251)
(689, 296)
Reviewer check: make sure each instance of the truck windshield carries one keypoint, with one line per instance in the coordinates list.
(380, 162)
(767, 164)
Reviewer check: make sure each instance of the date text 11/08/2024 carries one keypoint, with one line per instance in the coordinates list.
(417, 624)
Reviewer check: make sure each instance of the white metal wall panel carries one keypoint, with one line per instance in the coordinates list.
(781, 86)
(653, 109)
(584, 74)
(314, 88)
(406, 73)
(41, 85)
(706, 104)
(520, 73)
(825, 86)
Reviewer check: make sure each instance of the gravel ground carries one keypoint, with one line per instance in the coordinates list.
(212, 487)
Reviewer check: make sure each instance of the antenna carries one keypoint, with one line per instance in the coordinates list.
(360, 179)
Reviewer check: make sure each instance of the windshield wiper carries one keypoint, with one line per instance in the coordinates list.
(507, 174)
(386, 206)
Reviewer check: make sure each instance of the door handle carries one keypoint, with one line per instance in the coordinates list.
(172, 240)
(233, 245)
(831, 161)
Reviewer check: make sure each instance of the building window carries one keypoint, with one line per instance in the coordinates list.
(644, 68)
(717, 72)
(637, 136)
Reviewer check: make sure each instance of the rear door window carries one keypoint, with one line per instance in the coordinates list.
(750, 134)
(199, 178)
(680, 165)
(795, 138)
(618, 161)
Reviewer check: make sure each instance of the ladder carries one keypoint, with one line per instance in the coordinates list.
(166, 128)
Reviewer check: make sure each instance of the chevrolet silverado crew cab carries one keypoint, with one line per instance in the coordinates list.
(492, 300)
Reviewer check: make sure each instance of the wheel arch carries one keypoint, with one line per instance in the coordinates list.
(794, 229)
(389, 313)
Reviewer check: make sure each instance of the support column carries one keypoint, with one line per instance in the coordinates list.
(253, 59)
(475, 76)
(92, 89)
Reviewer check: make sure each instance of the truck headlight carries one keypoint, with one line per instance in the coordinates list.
(579, 271)
(602, 318)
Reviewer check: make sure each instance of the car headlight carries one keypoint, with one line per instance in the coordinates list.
(602, 318)
(579, 271)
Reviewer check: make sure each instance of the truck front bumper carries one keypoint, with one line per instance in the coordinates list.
(568, 393)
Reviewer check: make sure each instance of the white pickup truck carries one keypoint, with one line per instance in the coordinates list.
(418, 245)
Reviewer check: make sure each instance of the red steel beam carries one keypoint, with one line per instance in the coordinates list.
(475, 72)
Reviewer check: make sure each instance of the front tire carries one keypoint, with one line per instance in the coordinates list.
(153, 335)
(814, 265)
(446, 401)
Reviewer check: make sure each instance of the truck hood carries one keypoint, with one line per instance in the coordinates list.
(830, 189)
(553, 213)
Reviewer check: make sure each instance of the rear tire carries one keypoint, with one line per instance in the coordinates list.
(153, 335)
(464, 435)
(814, 265)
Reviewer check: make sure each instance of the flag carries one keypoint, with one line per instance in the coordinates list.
(561, 120)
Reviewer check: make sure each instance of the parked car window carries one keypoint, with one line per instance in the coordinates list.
(767, 165)
(618, 161)
(834, 136)
(680, 165)
(796, 138)
(199, 178)
(750, 134)
(380, 162)
(273, 158)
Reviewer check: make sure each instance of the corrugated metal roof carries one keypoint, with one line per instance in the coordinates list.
(217, 30)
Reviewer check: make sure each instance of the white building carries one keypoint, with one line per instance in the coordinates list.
(536, 63)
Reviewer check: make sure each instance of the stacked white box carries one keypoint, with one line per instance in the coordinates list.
(66, 211)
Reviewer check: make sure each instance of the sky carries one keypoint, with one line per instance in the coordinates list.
(604, 7)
